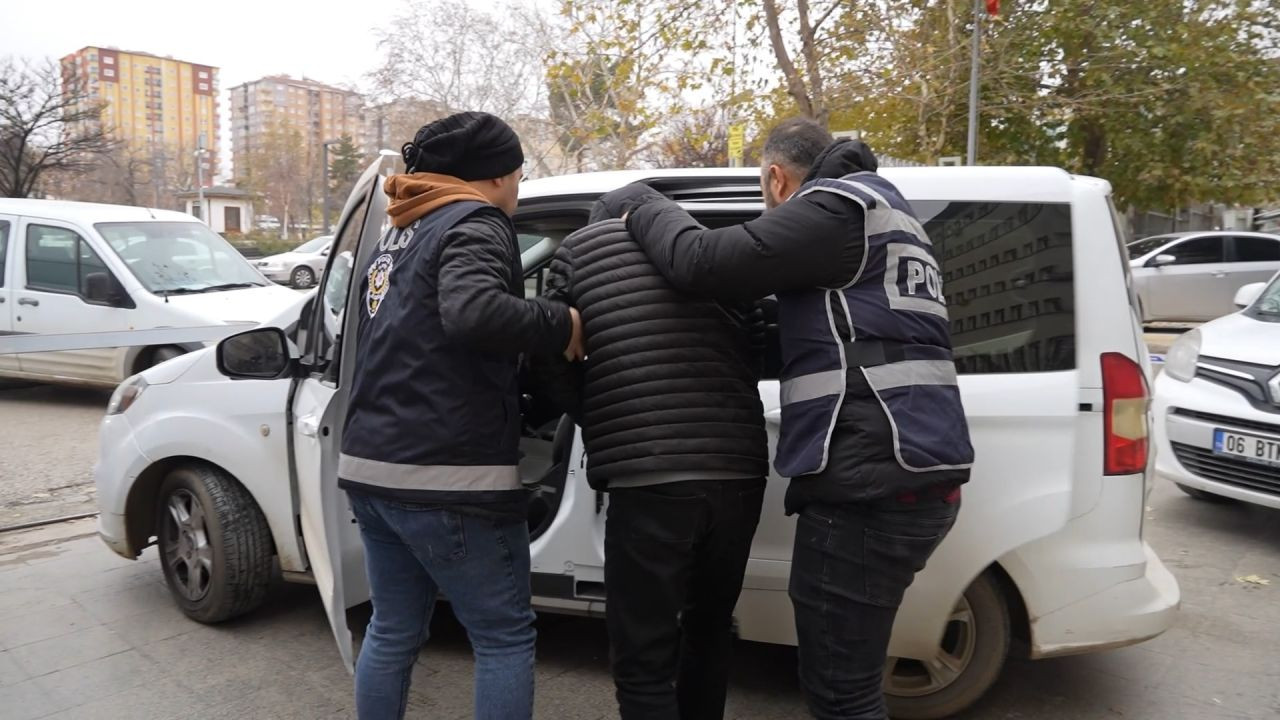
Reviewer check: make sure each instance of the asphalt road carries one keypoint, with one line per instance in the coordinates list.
(49, 445)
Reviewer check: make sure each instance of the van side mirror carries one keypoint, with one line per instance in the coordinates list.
(101, 287)
(1161, 260)
(259, 354)
(1249, 294)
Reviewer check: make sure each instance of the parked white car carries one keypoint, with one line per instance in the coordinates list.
(299, 267)
(227, 458)
(1217, 404)
(1193, 276)
(68, 267)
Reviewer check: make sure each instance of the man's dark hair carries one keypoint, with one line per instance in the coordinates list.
(795, 143)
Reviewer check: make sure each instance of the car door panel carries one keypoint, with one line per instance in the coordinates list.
(48, 298)
(332, 539)
(8, 227)
(1191, 288)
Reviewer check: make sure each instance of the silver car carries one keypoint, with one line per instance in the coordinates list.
(1194, 276)
(299, 267)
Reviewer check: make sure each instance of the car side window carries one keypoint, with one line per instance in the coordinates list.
(4, 248)
(1198, 251)
(60, 261)
(1256, 249)
(333, 297)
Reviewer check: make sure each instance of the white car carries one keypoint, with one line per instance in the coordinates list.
(1193, 276)
(1217, 404)
(70, 268)
(227, 458)
(299, 267)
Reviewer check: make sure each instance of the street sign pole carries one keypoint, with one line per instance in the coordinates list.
(974, 68)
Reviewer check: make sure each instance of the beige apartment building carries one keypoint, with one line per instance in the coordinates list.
(318, 112)
(160, 107)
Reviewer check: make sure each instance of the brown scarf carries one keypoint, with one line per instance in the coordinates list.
(415, 195)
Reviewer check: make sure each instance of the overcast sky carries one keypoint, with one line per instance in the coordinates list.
(325, 40)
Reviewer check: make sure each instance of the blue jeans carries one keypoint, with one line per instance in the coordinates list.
(850, 568)
(412, 552)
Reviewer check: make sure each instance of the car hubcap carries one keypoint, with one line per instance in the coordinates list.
(186, 548)
(908, 677)
(304, 278)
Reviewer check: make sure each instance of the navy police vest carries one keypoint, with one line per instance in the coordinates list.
(899, 340)
(426, 414)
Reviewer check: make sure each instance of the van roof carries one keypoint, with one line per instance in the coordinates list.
(86, 214)
(1026, 184)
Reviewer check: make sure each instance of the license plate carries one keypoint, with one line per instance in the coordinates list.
(1264, 451)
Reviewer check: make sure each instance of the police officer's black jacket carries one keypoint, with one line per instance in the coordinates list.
(669, 388)
(815, 240)
(433, 415)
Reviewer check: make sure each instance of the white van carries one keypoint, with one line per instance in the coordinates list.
(69, 267)
(227, 458)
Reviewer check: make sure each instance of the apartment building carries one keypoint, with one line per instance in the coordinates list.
(318, 112)
(161, 107)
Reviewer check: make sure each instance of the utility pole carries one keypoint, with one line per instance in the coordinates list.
(324, 186)
(974, 81)
(200, 179)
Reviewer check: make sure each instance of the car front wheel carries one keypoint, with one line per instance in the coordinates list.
(214, 544)
(968, 660)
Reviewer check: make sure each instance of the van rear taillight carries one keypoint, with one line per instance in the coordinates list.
(1125, 400)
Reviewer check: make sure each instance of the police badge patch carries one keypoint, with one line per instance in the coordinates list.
(379, 282)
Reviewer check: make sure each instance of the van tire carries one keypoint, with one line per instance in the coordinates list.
(231, 563)
(1203, 495)
(991, 631)
(163, 354)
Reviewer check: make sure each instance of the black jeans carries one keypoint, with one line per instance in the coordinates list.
(851, 565)
(675, 555)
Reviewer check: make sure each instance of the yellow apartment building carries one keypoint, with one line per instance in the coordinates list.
(159, 106)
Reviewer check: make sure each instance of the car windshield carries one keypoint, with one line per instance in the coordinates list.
(1145, 246)
(179, 257)
(314, 245)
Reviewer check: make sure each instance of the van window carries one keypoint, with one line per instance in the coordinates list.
(59, 260)
(175, 257)
(4, 247)
(1031, 326)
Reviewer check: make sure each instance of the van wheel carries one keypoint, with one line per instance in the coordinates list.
(163, 354)
(302, 277)
(969, 659)
(1199, 494)
(214, 543)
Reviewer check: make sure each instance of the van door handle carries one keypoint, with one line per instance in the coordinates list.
(308, 425)
(29, 301)
(1219, 273)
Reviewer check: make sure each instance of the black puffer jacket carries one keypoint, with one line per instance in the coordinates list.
(669, 387)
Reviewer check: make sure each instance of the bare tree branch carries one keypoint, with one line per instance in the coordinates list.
(48, 124)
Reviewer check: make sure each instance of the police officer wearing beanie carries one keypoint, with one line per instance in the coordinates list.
(430, 446)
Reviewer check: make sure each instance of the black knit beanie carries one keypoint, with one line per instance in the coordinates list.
(468, 146)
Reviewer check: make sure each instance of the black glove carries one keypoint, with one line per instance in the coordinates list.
(842, 157)
(623, 200)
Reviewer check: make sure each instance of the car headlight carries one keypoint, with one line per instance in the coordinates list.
(126, 394)
(1180, 362)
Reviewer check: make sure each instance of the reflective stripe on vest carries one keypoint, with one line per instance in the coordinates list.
(896, 296)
